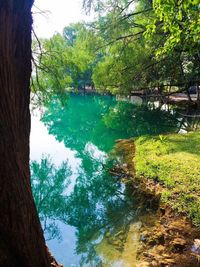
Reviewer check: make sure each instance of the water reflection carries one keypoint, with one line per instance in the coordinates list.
(100, 208)
(102, 120)
(49, 184)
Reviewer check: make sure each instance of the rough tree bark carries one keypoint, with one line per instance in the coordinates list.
(21, 238)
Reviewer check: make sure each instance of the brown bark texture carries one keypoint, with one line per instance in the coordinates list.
(21, 237)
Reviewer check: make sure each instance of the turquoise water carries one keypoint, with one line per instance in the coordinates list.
(85, 212)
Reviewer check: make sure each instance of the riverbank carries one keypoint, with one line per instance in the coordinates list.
(173, 162)
(166, 170)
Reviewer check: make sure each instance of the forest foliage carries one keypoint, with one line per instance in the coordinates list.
(131, 45)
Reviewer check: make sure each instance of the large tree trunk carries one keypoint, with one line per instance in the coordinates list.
(21, 238)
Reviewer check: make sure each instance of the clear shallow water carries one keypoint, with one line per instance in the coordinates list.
(89, 217)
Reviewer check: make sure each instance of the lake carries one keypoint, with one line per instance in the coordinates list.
(89, 217)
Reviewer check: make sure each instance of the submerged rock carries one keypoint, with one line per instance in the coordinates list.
(196, 246)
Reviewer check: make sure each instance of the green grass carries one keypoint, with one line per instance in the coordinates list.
(174, 161)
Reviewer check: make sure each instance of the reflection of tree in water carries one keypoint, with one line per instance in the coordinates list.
(132, 120)
(99, 205)
(48, 185)
(74, 123)
(102, 120)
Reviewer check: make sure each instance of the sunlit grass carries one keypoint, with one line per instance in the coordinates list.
(174, 161)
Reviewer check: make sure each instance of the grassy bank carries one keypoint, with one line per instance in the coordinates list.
(174, 161)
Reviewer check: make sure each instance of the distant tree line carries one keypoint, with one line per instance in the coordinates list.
(133, 45)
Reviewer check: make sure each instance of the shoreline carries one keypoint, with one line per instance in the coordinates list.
(168, 237)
